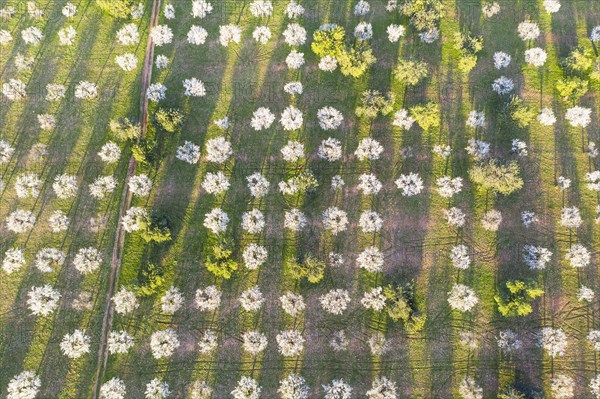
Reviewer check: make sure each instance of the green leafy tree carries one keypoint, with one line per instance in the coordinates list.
(150, 280)
(426, 115)
(125, 129)
(169, 119)
(356, 61)
(401, 305)
(571, 89)
(520, 112)
(329, 42)
(579, 61)
(219, 261)
(373, 103)
(410, 73)
(116, 8)
(310, 268)
(156, 230)
(423, 14)
(145, 151)
(516, 301)
(496, 177)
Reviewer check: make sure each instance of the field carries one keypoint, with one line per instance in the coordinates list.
(551, 350)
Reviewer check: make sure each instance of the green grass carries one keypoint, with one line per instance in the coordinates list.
(415, 239)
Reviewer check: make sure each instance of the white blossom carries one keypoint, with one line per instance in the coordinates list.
(6, 152)
(378, 344)
(75, 345)
(208, 342)
(410, 184)
(161, 35)
(157, 389)
(110, 152)
(135, 219)
(65, 186)
(14, 90)
(69, 10)
(371, 259)
(49, 259)
(102, 185)
(171, 301)
(447, 186)
(14, 259)
(215, 183)
(294, 60)
(403, 120)
(293, 387)
(585, 294)
(24, 385)
(32, 35)
(125, 301)
(395, 32)
(201, 8)
(247, 388)
(293, 151)
(374, 299)
(369, 184)
(328, 64)
(252, 299)
(169, 11)
(200, 390)
(595, 34)
(528, 30)
(442, 151)
(476, 119)
(370, 222)
(509, 341)
(335, 220)
(570, 217)
(292, 304)
(519, 147)
(330, 149)
(595, 386)
(55, 91)
(578, 256)
(253, 221)
(42, 300)
(460, 257)
(66, 36)
(501, 59)
(295, 220)
(339, 342)
(553, 340)
(161, 62)
(28, 185)
(462, 298)
(335, 301)
(229, 34)
(294, 34)
(294, 10)
(113, 389)
(551, 6)
(291, 118)
(194, 88)
(503, 85)
(363, 31)
(490, 9)
(188, 152)
(128, 34)
(382, 388)
(5, 37)
(262, 34)
(86, 90)
(469, 389)
(430, 36)
(536, 257)
(368, 148)
(290, 343)
(262, 119)
(536, 56)
(337, 182)
(216, 220)
(254, 342)
(562, 387)
(208, 298)
(46, 121)
(254, 256)
(337, 389)
(20, 221)
(579, 116)
(261, 8)
(163, 343)
(218, 150)
(156, 92)
(491, 220)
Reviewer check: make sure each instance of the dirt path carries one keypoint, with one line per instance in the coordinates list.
(125, 203)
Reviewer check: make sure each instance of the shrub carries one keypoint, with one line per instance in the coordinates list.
(427, 116)
(401, 305)
(373, 103)
(423, 14)
(410, 72)
(116, 8)
(355, 62)
(219, 261)
(150, 280)
(125, 129)
(169, 119)
(517, 301)
(498, 178)
(311, 268)
(328, 42)
(571, 89)
(520, 112)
